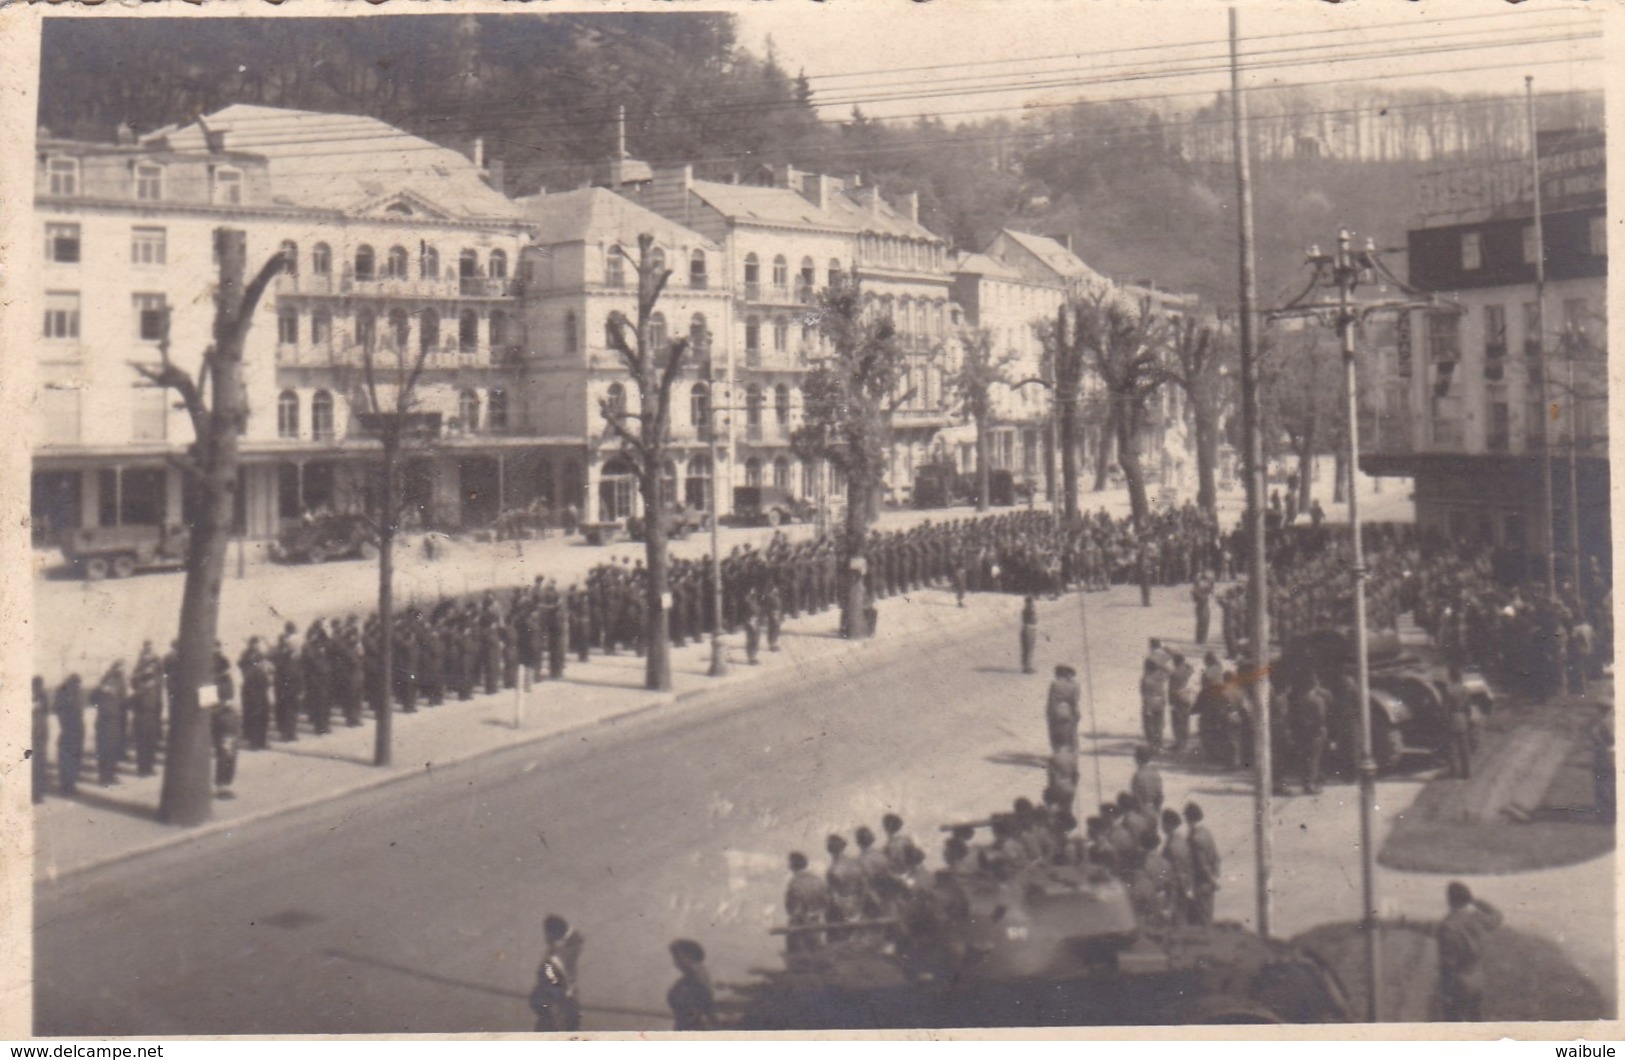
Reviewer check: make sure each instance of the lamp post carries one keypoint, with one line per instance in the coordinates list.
(719, 665)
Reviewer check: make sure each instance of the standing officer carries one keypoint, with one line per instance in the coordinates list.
(557, 646)
(1460, 713)
(432, 660)
(1061, 711)
(256, 695)
(1310, 709)
(290, 684)
(1461, 951)
(806, 901)
(1176, 850)
(1202, 597)
(70, 732)
(1204, 867)
(226, 727)
(147, 701)
(1153, 703)
(564, 946)
(1029, 633)
(1181, 700)
(1146, 785)
(108, 699)
(318, 699)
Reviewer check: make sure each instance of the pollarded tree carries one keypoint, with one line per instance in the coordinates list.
(972, 385)
(645, 435)
(1124, 344)
(851, 393)
(1200, 351)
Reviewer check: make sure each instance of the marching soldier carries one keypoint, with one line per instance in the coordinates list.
(1061, 711)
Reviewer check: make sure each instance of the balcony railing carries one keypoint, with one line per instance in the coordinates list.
(753, 291)
(447, 355)
(445, 287)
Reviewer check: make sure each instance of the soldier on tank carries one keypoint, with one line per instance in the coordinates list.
(846, 886)
(1176, 852)
(807, 902)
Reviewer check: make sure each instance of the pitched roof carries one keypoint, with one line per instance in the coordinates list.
(1054, 255)
(591, 214)
(749, 202)
(346, 161)
(983, 265)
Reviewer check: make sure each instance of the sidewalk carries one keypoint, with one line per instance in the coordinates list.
(100, 826)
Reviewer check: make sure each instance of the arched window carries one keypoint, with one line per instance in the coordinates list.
(657, 258)
(781, 335)
(290, 257)
(753, 411)
(287, 415)
(696, 271)
(834, 272)
(699, 406)
(366, 329)
(321, 260)
(753, 472)
(753, 276)
(614, 267)
(468, 410)
(468, 264)
(753, 341)
(699, 336)
(781, 472)
(400, 329)
(781, 273)
(571, 332)
(498, 330)
(809, 339)
(395, 264)
(657, 331)
(809, 479)
(321, 327)
(468, 331)
(496, 409)
(615, 400)
(781, 406)
(429, 330)
(365, 262)
(429, 263)
(497, 265)
(697, 485)
(807, 281)
(321, 416)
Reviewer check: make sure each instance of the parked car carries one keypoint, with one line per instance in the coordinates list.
(120, 551)
(326, 537)
(769, 506)
(680, 522)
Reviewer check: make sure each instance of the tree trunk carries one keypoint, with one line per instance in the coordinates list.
(383, 734)
(187, 797)
(656, 638)
(1067, 406)
(855, 597)
(1103, 454)
(1128, 458)
(1207, 455)
(1050, 473)
(983, 478)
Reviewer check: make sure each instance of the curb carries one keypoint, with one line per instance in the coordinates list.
(370, 781)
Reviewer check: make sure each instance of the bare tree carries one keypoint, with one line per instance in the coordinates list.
(1065, 357)
(972, 385)
(1300, 401)
(217, 403)
(1200, 351)
(387, 395)
(645, 436)
(1124, 344)
(850, 396)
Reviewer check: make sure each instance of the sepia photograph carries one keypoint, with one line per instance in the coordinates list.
(861, 516)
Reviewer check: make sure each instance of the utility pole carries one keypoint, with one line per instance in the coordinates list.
(1540, 345)
(1347, 269)
(1253, 462)
(1570, 340)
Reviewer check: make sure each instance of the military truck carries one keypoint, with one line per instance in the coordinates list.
(326, 537)
(96, 552)
(1045, 945)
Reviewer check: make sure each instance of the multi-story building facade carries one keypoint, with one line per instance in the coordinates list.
(1479, 391)
(394, 246)
(581, 269)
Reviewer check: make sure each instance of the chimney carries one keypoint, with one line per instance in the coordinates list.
(479, 152)
(911, 206)
(856, 181)
(620, 131)
(816, 188)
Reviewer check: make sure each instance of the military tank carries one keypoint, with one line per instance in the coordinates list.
(1042, 946)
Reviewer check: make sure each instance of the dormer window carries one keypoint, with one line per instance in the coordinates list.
(64, 176)
(149, 181)
(228, 187)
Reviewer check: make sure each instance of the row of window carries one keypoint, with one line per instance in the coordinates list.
(699, 405)
(1444, 333)
(905, 253)
(149, 311)
(398, 325)
(322, 413)
(146, 181)
(396, 262)
(1472, 244)
(699, 333)
(619, 264)
(64, 246)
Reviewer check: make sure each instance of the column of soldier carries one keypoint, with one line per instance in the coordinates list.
(461, 645)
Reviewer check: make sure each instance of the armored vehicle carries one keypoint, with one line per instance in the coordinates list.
(1042, 946)
(326, 537)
